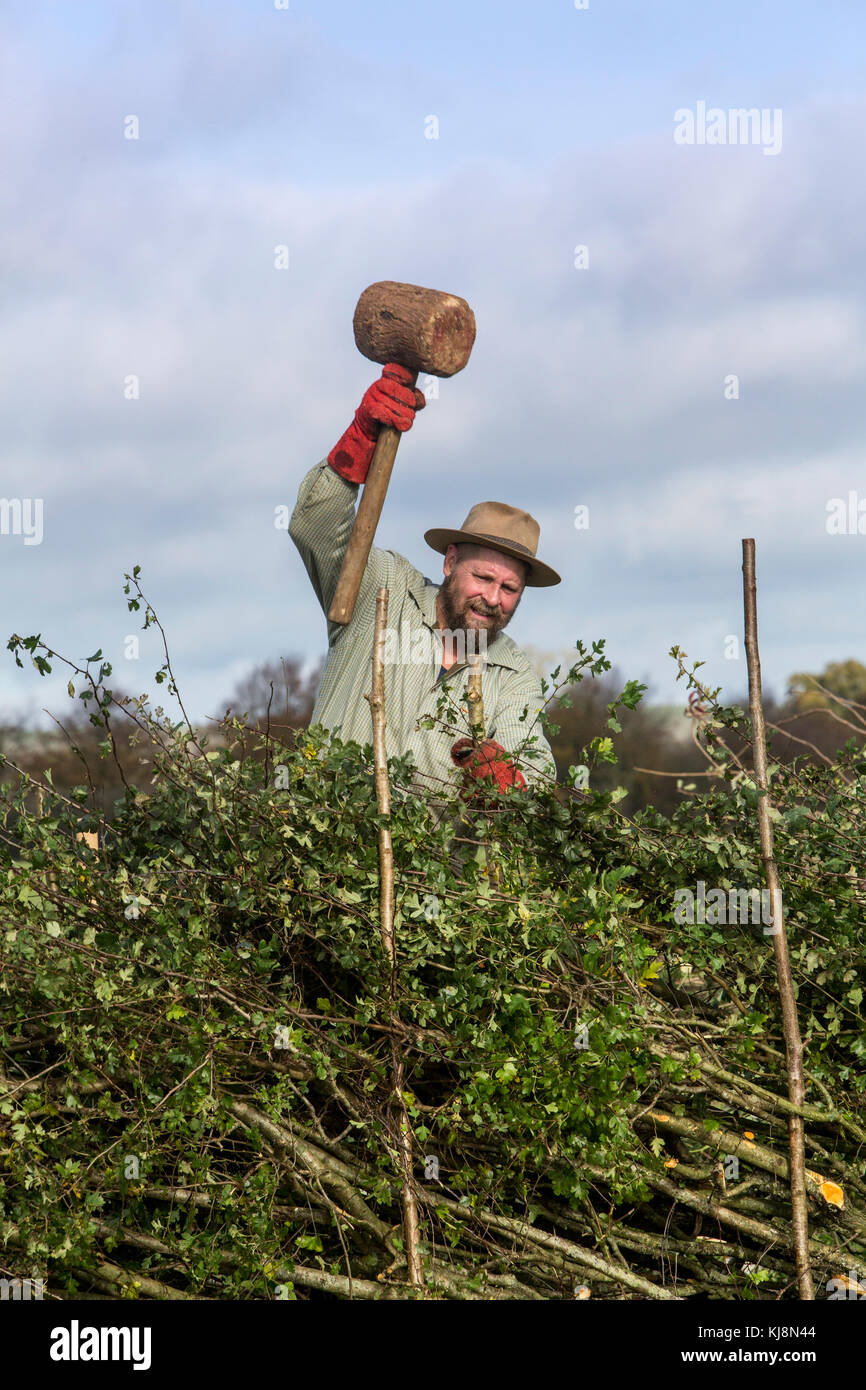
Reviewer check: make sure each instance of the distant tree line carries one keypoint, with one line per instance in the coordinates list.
(656, 765)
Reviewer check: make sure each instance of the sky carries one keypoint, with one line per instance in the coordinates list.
(693, 376)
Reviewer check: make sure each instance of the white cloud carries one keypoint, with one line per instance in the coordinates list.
(601, 386)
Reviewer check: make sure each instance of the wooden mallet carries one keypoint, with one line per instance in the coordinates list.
(424, 331)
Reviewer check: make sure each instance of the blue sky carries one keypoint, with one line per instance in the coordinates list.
(601, 386)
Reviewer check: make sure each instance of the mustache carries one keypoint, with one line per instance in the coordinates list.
(484, 609)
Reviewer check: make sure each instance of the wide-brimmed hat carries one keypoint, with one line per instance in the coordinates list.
(501, 528)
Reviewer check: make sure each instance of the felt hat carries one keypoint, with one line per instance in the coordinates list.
(501, 528)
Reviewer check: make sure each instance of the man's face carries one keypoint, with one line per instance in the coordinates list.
(480, 592)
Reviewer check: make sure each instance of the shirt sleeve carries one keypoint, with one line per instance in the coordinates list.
(522, 690)
(320, 527)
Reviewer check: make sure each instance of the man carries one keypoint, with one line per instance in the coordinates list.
(488, 562)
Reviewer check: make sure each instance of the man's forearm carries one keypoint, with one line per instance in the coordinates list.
(321, 525)
(324, 514)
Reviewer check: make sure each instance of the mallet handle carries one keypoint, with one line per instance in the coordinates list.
(366, 521)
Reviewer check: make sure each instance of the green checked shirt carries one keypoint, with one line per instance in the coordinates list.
(320, 527)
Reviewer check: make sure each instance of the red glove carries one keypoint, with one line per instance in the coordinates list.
(391, 400)
(487, 761)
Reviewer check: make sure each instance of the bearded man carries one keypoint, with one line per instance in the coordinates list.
(489, 560)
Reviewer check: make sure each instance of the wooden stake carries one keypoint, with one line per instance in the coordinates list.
(383, 787)
(386, 926)
(475, 698)
(790, 1024)
(475, 701)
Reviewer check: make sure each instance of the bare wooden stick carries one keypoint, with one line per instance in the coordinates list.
(475, 699)
(383, 787)
(386, 924)
(790, 1024)
(411, 1233)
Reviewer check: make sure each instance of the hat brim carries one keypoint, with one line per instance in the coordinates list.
(540, 576)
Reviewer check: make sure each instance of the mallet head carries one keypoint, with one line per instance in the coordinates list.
(424, 330)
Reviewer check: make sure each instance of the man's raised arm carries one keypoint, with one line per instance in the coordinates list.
(324, 514)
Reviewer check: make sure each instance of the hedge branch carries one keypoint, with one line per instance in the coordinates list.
(113, 1277)
(726, 1142)
(566, 1249)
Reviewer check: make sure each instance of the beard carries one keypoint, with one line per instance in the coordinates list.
(454, 617)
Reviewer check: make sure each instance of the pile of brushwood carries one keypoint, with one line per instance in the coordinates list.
(198, 1027)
